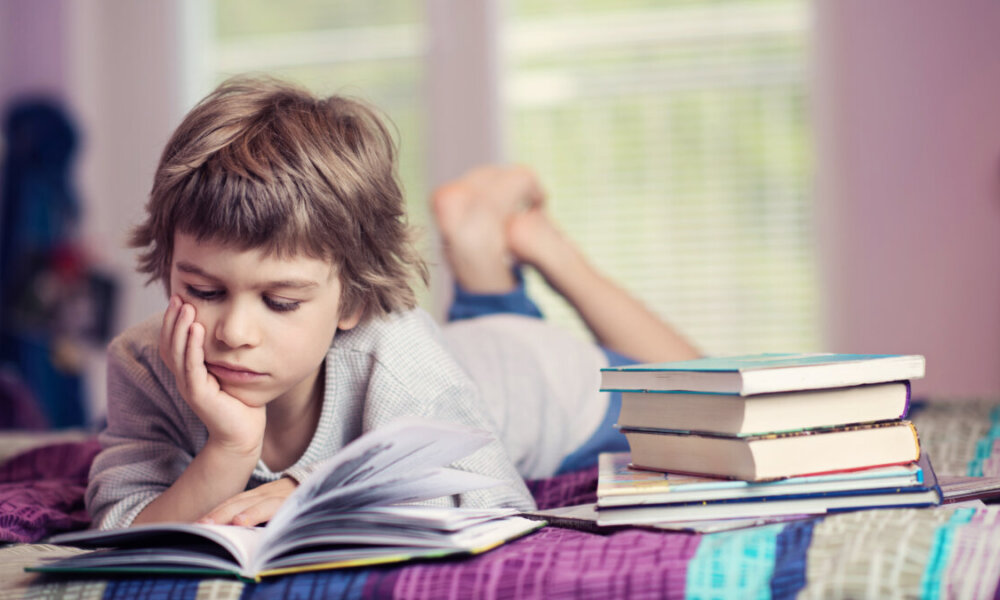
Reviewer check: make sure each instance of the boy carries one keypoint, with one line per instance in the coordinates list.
(276, 225)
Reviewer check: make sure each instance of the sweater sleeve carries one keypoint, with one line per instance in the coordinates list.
(147, 443)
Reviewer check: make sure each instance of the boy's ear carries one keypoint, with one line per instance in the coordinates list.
(349, 321)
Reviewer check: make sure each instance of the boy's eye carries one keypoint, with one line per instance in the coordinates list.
(281, 305)
(204, 294)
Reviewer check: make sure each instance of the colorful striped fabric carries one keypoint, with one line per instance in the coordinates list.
(930, 553)
(873, 554)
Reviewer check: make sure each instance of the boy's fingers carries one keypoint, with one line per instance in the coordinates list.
(176, 347)
(223, 514)
(179, 340)
(167, 328)
(194, 359)
(253, 507)
(258, 512)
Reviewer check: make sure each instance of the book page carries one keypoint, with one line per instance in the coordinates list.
(391, 526)
(385, 454)
(413, 486)
(416, 485)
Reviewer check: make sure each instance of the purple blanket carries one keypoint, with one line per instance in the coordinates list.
(41, 491)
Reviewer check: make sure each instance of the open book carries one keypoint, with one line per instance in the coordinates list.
(347, 513)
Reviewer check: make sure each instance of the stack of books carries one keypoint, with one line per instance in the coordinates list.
(764, 435)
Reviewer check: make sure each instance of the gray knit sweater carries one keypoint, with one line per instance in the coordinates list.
(378, 371)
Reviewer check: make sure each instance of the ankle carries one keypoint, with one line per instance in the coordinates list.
(479, 274)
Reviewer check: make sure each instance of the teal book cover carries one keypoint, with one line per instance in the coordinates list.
(764, 373)
(747, 362)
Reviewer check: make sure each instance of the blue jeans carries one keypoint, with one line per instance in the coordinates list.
(606, 438)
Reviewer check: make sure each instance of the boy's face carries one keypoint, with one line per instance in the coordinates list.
(268, 321)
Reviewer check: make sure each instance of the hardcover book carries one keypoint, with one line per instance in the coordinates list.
(921, 494)
(347, 513)
(775, 455)
(763, 373)
(926, 493)
(618, 484)
(733, 414)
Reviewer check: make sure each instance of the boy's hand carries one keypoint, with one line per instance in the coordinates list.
(252, 507)
(231, 424)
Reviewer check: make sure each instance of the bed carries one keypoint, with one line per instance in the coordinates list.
(939, 552)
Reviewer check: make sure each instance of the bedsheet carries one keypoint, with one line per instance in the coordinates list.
(928, 553)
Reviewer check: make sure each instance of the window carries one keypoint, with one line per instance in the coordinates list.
(673, 138)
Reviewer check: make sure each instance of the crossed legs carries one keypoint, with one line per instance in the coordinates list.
(494, 217)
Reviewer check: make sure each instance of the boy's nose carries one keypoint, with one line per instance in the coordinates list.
(235, 328)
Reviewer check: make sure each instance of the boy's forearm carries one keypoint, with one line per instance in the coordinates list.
(215, 475)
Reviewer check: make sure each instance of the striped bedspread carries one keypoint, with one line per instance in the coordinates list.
(927, 553)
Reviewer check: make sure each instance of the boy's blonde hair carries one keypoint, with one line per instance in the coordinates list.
(261, 163)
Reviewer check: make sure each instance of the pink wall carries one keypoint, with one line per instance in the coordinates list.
(33, 40)
(908, 113)
(119, 67)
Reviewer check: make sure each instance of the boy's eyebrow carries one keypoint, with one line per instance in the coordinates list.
(186, 267)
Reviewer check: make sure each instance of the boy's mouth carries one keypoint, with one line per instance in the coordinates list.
(233, 373)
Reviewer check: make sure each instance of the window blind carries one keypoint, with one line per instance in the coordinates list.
(673, 139)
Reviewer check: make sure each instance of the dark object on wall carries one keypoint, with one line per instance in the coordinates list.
(52, 302)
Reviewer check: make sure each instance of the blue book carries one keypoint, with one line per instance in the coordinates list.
(924, 493)
(619, 484)
(763, 373)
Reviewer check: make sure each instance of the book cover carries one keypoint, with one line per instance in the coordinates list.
(775, 455)
(763, 373)
(733, 414)
(349, 512)
(619, 484)
(960, 488)
(923, 494)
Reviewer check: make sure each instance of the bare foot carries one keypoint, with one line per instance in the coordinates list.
(472, 213)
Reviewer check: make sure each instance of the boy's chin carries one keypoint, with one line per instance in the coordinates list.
(251, 398)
